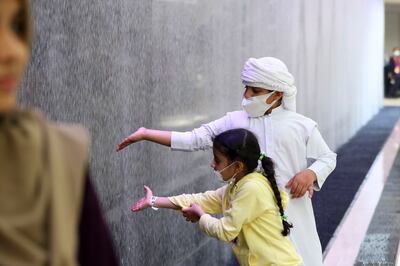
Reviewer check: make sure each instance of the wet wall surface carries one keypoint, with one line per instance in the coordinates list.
(115, 66)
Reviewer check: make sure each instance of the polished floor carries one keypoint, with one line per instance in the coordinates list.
(368, 233)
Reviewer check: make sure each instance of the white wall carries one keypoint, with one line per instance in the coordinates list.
(335, 51)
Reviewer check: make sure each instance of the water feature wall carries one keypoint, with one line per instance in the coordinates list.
(115, 66)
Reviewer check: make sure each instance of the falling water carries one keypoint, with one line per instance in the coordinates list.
(115, 66)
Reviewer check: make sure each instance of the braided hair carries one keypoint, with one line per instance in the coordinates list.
(269, 173)
(242, 145)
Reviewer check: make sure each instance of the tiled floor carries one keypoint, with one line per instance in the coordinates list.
(380, 244)
(354, 161)
(344, 246)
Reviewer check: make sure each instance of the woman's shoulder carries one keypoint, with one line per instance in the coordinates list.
(72, 132)
(75, 133)
(66, 136)
(70, 142)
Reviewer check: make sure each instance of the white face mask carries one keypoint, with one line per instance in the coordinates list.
(219, 175)
(396, 53)
(256, 106)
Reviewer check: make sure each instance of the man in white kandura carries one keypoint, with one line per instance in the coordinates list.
(290, 139)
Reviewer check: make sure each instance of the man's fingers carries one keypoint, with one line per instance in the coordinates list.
(123, 144)
(290, 183)
(310, 192)
(293, 188)
(301, 190)
(296, 192)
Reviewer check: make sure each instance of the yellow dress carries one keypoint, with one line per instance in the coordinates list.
(251, 220)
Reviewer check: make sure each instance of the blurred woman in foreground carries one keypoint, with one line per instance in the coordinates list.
(49, 213)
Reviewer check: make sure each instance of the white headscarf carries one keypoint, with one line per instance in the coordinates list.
(272, 74)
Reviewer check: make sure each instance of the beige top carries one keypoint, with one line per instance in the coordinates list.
(42, 170)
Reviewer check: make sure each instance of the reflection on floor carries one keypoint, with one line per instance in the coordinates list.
(380, 244)
(352, 232)
(347, 202)
(353, 163)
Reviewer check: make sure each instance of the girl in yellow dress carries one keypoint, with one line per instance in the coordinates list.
(252, 206)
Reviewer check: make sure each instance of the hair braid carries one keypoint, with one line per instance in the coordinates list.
(269, 173)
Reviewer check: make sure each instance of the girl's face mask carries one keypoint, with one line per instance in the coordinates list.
(221, 177)
(256, 106)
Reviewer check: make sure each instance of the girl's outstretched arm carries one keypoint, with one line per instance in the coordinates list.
(157, 136)
(160, 202)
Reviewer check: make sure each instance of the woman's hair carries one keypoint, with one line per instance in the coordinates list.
(242, 145)
(25, 23)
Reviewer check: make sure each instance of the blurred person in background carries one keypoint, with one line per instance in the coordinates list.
(392, 75)
(49, 212)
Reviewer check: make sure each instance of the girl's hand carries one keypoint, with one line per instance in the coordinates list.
(134, 137)
(193, 213)
(144, 202)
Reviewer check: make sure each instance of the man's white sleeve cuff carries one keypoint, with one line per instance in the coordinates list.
(316, 168)
(181, 141)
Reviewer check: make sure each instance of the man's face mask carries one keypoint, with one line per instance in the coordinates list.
(256, 106)
(396, 53)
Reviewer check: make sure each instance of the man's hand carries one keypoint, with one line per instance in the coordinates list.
(193, 213)
(301, 183)
(136, 136)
